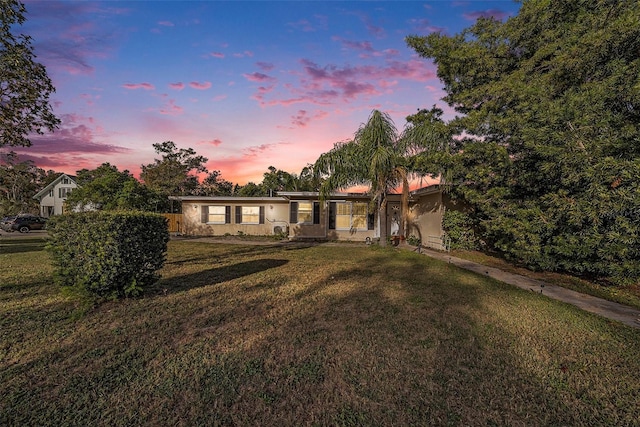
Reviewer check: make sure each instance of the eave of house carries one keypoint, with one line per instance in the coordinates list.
(423, 191)
(232, 199)
(309, 195)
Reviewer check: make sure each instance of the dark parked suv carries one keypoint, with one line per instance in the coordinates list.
(24, 223)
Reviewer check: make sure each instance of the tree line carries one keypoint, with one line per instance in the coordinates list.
(178, 172)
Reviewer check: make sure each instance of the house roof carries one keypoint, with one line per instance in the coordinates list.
(226, 199)
(53, 183)
(423, 191)
(284, 196)
(314, 195)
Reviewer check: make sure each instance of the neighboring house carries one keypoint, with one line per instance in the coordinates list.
(301, 215)
(52, 197)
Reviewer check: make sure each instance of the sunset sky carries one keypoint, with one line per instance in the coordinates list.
(247, 84)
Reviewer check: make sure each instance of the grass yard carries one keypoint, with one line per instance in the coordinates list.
(628, 295)
(297, 335)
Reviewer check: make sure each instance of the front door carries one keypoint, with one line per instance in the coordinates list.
(393, 215)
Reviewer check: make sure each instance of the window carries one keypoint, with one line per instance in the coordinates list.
(343, 216)
(349, 216)
(249, 214)
(218, 214)
(51, 193)
(65, 181)
(63, 192)
(304, 213)
(359, 216)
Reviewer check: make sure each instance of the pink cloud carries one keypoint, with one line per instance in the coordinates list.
(243, 54)
(220, 97)
(373, 29)
(302, 118)
(424, 26)
(77, 139)
(265, 66)
(200, 86)
(258, 149)
(166, 23)
(134, 86)
(176, 86)
(386, 84)
(358, 46)
(302, 25)
(88, 98)
(171, 109)
(217, 54)
(258, 77)
(325, 85)
(490, 13)
(66, 38)
(215, 142)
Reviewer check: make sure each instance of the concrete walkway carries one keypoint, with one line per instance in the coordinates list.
(628, 315)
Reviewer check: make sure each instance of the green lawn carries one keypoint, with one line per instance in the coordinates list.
(628, 295)
(297, 335)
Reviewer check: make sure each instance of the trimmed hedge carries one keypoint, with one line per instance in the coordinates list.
(108, 254)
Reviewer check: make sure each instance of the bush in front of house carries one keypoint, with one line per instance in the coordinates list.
(108, 254)
(459, 226)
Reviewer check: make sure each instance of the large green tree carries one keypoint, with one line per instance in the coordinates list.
(107, 188)
(550, 114)
(214, 185)
(19, 181)
(426, 144)
(175, 173)
(25, 87)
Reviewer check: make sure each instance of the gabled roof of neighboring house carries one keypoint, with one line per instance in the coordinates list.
(46, 189)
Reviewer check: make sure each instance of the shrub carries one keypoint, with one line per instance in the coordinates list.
(108, 254)
(459, 226)
(414, 241)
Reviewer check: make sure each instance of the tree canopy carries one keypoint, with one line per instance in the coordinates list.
(549, 153)
(108, 188)
(19, 181)
(175, 173)
(25, 87)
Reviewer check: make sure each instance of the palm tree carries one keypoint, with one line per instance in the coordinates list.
(374, 157)
(380, 158)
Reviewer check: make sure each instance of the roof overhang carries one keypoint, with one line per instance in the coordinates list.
(310, 195)
(230, 199)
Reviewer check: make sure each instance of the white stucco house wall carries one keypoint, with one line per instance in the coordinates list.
(53, 196)
(302, 215)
